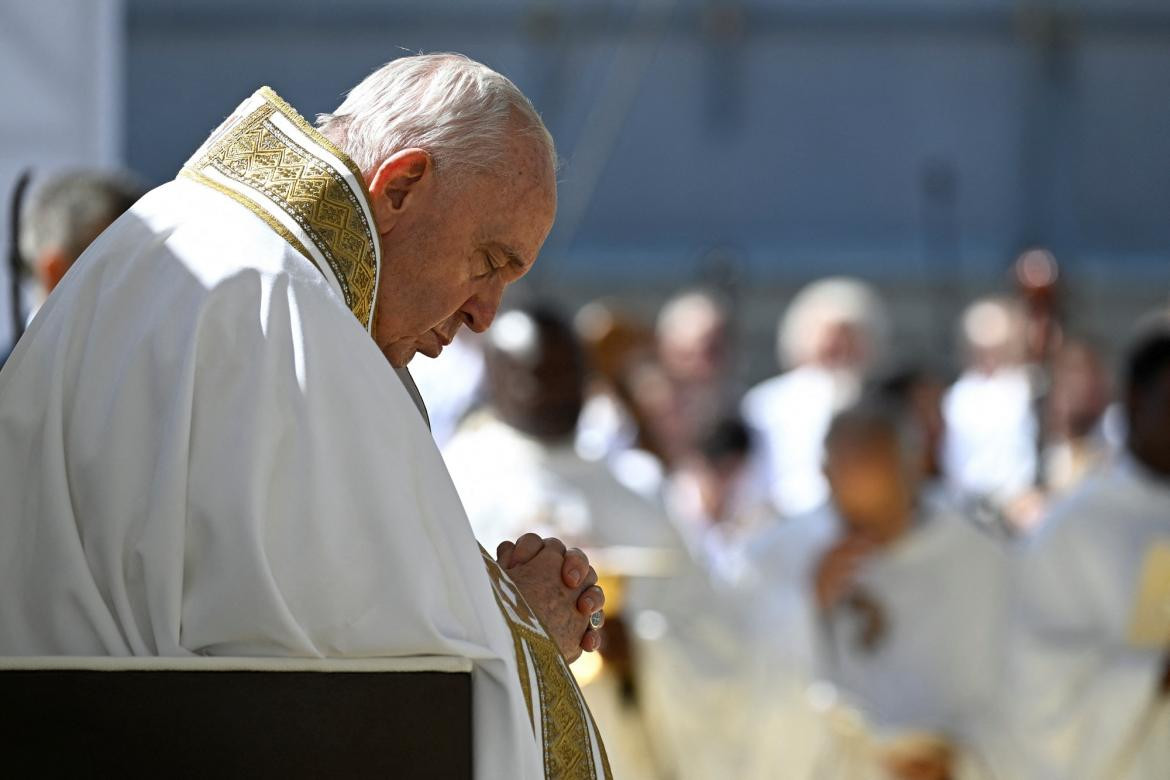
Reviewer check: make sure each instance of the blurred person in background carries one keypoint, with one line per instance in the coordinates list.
(1091, 638)
(1082, 430)
(536, 378)
(905, 595)
(614, 343)
(694, 351)
(64, 217)
(714, 501)
(832, 335)
(991, 444)
(918, 390)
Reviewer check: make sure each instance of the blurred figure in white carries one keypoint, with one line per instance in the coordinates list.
(64, 217)
(536, 378)
(694, 351)
(991, 443)
(535, 373)
(716, 505)
(1088, 681)
(1083, 430)
(833, 333)
(903, 598)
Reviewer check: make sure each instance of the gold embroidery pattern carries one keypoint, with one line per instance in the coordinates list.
(566, 723)
(254, 152)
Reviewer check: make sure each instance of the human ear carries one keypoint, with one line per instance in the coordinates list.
(400, 181)
(51, 268)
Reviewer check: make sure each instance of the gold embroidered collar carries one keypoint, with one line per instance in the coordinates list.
(268, 158)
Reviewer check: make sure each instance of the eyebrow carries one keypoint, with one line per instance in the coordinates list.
(513, 256)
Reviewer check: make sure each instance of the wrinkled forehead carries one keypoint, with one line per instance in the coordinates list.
(521, 206)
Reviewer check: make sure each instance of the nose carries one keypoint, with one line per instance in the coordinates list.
(480, 310)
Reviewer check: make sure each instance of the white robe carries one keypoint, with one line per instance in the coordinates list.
(550, 490)
(990, 445)
(790, 415)
(942, 592)
(1080, 684)
(202, 451)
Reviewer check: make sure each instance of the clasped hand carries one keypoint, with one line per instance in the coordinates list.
(561, 588)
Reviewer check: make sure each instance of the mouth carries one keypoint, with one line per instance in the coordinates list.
(434, 349)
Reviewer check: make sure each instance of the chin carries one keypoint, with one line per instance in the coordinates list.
(399, 356)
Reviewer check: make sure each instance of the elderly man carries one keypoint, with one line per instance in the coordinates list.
(205, 447)
(831, 336)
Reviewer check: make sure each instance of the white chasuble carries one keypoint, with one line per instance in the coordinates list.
(1091, 635)
(202, 451)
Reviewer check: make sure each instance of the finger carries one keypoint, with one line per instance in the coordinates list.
(589, 581)
(591, 600)
(591, 642)
(555, 544)
(575, 568)
(527, 547)
(504, 554)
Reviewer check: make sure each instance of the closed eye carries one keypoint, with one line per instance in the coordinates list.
(488, 266)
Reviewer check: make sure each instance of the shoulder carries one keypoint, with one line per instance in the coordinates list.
(215, 239)
(760, 401)
(1085, 511)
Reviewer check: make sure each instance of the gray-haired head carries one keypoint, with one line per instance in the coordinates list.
(461, 112)
(69, 211)
(826, 305)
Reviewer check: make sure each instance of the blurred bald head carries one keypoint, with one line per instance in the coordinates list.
(536, 372)
(692, 337)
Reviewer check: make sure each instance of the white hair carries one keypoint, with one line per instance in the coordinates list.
(461, 112)
(827, 302)
(69, 210)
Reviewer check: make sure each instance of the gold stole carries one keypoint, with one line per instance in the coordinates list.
(270, 160)
(560, 718)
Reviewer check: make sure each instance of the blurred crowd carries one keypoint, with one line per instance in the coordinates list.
(861, 567)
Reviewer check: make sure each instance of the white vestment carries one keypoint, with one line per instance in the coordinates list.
(790, 415)
(202, 451)
(1082, 677)
(941, 594)
(550, 490)
(990, 445)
